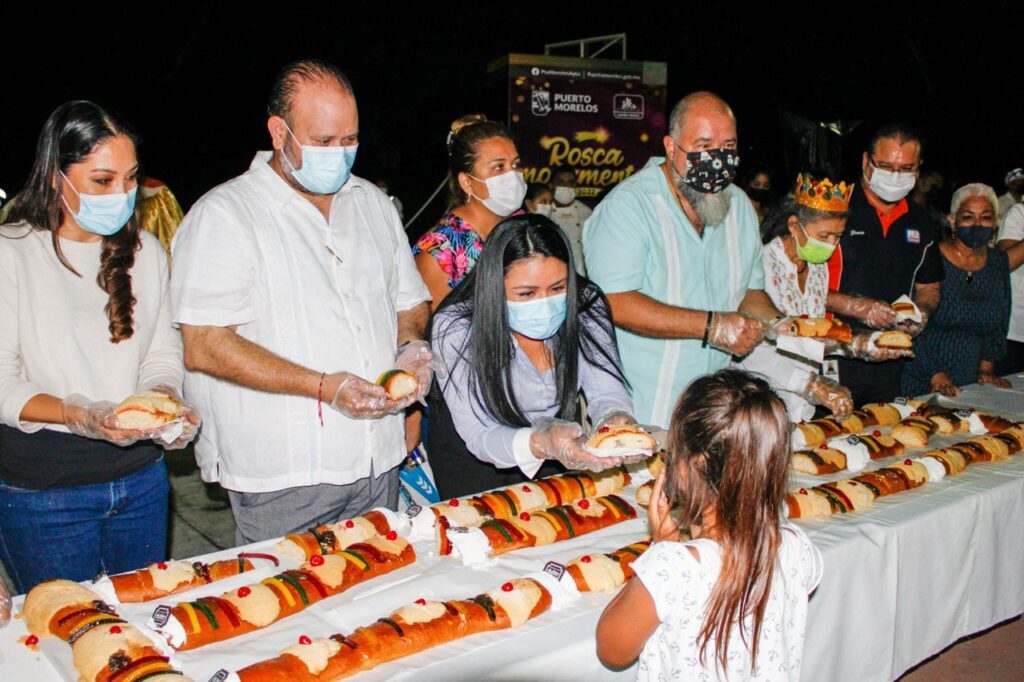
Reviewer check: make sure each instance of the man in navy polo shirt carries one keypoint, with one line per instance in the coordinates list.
(890, 249)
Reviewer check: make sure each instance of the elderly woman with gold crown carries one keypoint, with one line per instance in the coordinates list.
(799, 237)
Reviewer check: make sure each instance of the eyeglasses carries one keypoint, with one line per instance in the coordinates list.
(905, 168)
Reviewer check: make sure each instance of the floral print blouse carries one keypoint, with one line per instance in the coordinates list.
(783, 287)
(454, 244)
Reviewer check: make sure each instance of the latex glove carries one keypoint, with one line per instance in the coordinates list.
(189, 418)
(614, 418)
(663, 525)
(97, 420)
(830, 394)
(357, 398)
(562, 441)
(942, 383)
(861, 348)
(914, 328)
(873, 313)
(736, 333)
(417, 359)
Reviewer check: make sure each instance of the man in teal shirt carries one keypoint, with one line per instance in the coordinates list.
(677, 250)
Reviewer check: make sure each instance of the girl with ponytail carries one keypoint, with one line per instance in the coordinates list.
(722, 593)
(84, 323)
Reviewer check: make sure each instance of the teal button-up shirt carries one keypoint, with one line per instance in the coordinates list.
(640, 240)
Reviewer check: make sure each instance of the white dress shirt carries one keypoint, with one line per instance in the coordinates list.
(54, 335)
(254, 254)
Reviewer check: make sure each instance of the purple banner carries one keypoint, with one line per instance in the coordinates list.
(599, 117)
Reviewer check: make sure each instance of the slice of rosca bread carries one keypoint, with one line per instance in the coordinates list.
(820, 328)
(148, 410)
(623, 436)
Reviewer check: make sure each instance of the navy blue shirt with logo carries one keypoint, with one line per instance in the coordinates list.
(883, 265)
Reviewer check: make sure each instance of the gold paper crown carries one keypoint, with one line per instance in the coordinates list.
(822, 194)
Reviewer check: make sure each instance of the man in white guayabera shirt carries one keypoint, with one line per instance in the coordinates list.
(294, 288)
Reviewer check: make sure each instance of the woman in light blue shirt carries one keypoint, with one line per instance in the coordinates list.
(517, 342)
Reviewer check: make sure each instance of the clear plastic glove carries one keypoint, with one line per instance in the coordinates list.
(826, 392)
(97, 420)
(614, 418)
(873, 313)
(914, 328)
(417, 359)
(189, 419)
(562, 441)
(736, 333)
(359, 399)
(861, 348)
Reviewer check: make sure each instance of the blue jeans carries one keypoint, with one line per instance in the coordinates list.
(79, 531)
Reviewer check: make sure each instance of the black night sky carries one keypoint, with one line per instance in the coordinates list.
(192, 79)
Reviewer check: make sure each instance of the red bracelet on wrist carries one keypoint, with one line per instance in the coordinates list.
(320, 399)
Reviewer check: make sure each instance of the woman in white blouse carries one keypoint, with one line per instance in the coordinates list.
(800, 237)
(84, 323)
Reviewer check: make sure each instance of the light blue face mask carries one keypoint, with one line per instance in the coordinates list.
(538, 319)
(324, 169)
(102, 214)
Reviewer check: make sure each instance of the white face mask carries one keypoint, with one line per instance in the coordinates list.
(891, 186)
(506, 191)
(565, 195)
(543, 209)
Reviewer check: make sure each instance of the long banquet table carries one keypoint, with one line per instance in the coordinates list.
(902, 581)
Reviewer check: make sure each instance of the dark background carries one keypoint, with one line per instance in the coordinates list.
(192, 78)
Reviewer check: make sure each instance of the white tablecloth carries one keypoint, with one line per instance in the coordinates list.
(901, 582)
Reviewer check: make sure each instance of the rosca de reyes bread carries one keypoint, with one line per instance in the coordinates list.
(206, 620)
(818, 461)
(104, 647)
(815, 432)
(409, 630)
(171, 577)
(510, 502)
(894, 340)
(914, 431)
(605, 572)
(820, 328)
(149, 410)
(613, 437)
(334, 537)
(398, 383)
(542, 527)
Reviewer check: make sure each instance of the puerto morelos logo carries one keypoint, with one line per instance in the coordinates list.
(540, 102)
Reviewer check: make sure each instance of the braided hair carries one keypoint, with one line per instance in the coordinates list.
(72, 132)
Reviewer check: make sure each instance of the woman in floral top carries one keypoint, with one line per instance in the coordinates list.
(484, 187)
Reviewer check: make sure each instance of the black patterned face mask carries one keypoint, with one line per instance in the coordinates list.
(711, 170)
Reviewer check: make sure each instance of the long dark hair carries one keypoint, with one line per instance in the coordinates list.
(464, 140)
(730, 436)
(71, 133)
(479, 301)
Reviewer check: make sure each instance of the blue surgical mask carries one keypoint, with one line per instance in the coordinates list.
(538, 319)
(102, 214)
(324, 169)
